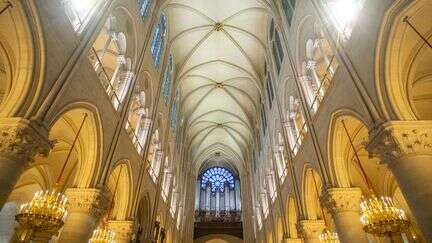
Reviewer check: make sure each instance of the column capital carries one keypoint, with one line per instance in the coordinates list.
(91, 201)
(311, 229)
(124, 229)
(395, 139)
(338, 200)
(292, 240)
(21, 139)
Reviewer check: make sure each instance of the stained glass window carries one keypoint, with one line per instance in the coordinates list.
(166, 85)
(158, 40)
(144, 7)
(174, 111)
(216, 178)
(277, 50)
(288, 7)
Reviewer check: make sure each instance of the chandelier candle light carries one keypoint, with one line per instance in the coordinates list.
(326, 236)
(379, 215)
(103, 234)
(46, 212)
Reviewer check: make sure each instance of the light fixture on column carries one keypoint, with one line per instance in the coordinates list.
(47, 210)
(326, 236)
(104, 234)
(379, 215)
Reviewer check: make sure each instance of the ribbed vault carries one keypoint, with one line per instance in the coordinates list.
(219, 48)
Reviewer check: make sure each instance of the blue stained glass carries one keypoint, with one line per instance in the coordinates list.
(174, 111)
(144, 7)
(158, 40)
(166, 85)
(217, 178)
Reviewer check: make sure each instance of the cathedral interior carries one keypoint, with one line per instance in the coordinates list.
(198, 121)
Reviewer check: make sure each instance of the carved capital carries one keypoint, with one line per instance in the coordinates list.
(90, 201)
(123, 229)
(397, 139)
(338, 200)
(311, 229)
(21, 140)
(292, 240)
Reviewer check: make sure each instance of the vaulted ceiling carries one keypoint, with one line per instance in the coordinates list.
(219, 50)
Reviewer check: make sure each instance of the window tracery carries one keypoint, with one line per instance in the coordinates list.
(174, 111)
(318, 68)
(111, 63)
(296, 125)
(158, 40)
(216, 178)
(166, 85)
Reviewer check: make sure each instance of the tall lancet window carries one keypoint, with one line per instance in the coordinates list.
(174, 111)
(288, 7)
(218, 194)
(344, 14)
(144, 7)
(166, 83)
(80, 12)
(158, 40)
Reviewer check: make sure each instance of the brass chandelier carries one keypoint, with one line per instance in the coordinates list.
(47, 211)
(379, 215)
(328, 237)
(104, 234)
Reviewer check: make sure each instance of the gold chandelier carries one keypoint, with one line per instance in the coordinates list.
(379, 215)
(103, 235)
(328, 237)
(47, 211)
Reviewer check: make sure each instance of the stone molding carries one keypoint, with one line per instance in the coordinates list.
(90, 201)
(124, 229)
(311, 229)
(338, 200)
(292, 240)
(21, 140)
(396, 139)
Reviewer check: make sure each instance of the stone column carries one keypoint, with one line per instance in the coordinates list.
(197, 195)
(227, 198)
(207, 199)
(123, 230)
(311, 229)
(20, 141)
(343, 204)
(86, 205)
(406, 147)
(237, 195)
(217, 202)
